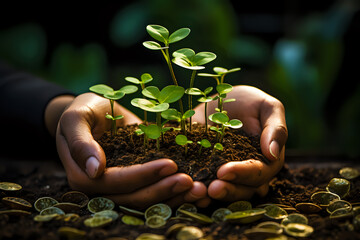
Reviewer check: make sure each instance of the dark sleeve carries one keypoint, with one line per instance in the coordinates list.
(23, 99)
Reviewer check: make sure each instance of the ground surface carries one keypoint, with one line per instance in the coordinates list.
(295, 183)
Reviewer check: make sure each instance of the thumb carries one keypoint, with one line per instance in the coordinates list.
(274, 133)
(83, 149)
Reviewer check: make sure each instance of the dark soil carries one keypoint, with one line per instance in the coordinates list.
(127, 149)
(289, 187)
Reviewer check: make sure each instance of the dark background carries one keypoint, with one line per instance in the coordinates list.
(304, 53)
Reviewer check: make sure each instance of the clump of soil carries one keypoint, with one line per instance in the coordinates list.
(127, 148)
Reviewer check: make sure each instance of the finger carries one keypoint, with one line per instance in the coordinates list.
(196, 193)
(158, 192)
(115, 179)
(75, 128)
(225, 191)
(274, 134)
(249, 172)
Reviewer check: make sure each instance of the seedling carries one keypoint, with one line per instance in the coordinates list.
(162, 35)
(112, 95)
(223, 89)
(183, 141)
(217, 146)
(203, 143)
(152, 131)
(223, 120)
(205, 99)
(175, 115)
(145, 78)
(187, 58)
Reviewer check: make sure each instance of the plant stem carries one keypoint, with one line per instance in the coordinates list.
(206, 119)
(158, 123)
(113, 122)
(222, 133)
(200, 149)
(145, 112)
(168, 61)
(190, 96)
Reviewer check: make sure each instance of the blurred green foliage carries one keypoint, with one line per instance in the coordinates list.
(300, 67)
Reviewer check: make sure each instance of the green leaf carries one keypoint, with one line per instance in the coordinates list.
(151, 92)
(128, 89)
(139, 131)
(234, 123)
(213, 128)
(205, 99)
(233, 70)
(188, 114)
(219, 118)
(146, 77)
(185, 64)
(165, 129)
(133, 80)
(158, 32)
(205, 143)
(118, 117)
(153, 45)
(147, 105)
(193, 91)
(171, 114)
(170, 94)
(116, 95)
(108, 116)
(142, 127)
(224, 88)
(229, 100)
(208, 75)
(208, 90)
(219, 146)
(186, 53)
(220, 70)
(181, 139)
(202, 58)
(179, 35)
(153, 131)
(101, 89)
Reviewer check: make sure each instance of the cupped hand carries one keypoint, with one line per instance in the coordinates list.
(262, 115)
(85, 162)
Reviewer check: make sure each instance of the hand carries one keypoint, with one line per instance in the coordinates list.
(261, 115)
(85, 163)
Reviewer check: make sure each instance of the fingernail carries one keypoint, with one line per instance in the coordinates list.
(92, 165)
(274, 149)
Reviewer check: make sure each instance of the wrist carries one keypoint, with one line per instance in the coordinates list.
(54, 110)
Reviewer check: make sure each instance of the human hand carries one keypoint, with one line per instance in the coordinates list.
(261, 115)
(85, 162)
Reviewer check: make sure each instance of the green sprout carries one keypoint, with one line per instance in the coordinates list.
(220, 72)
(183, 141)
(175, 115)
(109, 93)
(187, 58)
(152, 131)
(145, 78)
(223, 89)
(205, 99)
(223, 120)
(168, 94)
(162, 35)
(217, 146)
(203, 143)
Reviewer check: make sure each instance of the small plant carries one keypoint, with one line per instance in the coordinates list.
(152, 131)
(112, 95)
(203, 143)
(183, 141)
(145, 78)
(217, 146)
(223, 120)
(175, 115)
(205, 99)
